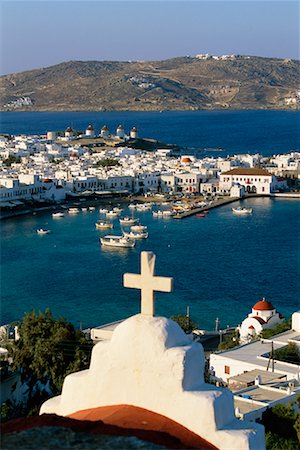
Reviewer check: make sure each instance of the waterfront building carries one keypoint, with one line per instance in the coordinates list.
(254, 180)
(263, 316)
(148, 361)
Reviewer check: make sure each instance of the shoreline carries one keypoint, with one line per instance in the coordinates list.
(136, 198)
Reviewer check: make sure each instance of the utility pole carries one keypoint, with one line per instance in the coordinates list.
(271, 357)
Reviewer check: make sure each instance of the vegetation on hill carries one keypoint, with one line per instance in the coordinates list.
(282, 426)
(48, 349)
(185, 322)
(175, 84)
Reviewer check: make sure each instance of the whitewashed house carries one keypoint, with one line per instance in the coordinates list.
(254, 180)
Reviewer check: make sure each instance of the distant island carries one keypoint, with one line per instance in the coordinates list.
(203, 82)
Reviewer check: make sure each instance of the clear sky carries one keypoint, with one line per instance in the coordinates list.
(41, 33)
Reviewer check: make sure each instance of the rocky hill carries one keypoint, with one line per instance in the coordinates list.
(186, 83)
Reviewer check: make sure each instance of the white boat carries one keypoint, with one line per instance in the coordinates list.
(143, 206)
(58, 214)
(132, 206)
(111, 214)
(167, 212)
(117, 241)
(92, 208)
(102, 225)
(117, 209)
(42, 231)
(73, 210)
(128, 220)
(240, 210)
(138, 228)
(136, 235)
(103, 210)
(84, 209)
(157, 213)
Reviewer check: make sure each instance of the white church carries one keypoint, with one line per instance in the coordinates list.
(262, 316)
(150, 366)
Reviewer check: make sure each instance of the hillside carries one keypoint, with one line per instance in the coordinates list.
(184, 83)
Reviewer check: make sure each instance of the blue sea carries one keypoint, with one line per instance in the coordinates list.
(221, 264)
(266, 132)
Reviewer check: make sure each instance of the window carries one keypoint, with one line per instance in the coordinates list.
(227, 370)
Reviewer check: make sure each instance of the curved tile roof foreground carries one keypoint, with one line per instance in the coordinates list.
(117, 420)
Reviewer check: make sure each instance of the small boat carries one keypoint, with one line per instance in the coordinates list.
(58, 214)
(138, 228)
(240, 210)
(132, 206)
(157, 213)
(206, 211)
(117, 209)
(167, 213)
(200, 215)
(128, 220)
(102, 225)
(136, 235)
(84, 209)
(111, 214)
(92, 208)
(117, 241)
(42, 231)
(73, 210)
(103, 211)
(143, 206)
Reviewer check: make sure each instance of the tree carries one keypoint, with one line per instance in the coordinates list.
(11, 159)
(277, 329)
(281, 424)
(48, 350)
(108, 162)
(185, 322)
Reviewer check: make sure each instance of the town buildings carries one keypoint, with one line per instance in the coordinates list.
(49, 167)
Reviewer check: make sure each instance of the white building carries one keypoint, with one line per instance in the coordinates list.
(256, 355)
(254, 180)
(90, 132)
(263, 316)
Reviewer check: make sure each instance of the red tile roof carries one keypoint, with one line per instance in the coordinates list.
(248, 171)
(133, 417)
(263, 305)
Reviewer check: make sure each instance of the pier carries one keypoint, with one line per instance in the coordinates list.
(213, 205)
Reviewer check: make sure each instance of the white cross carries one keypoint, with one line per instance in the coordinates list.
(147, 282)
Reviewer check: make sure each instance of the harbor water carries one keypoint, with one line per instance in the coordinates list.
(221, 264)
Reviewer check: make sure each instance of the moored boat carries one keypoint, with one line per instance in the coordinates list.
(73, 210)
(58, 214)
(42, 231)
(128, 220)
(136, 235)
(138, 228)
(103, 210)
(112, 214)
(200, 215)
(102, 225)
(240, 210)
(117, 241)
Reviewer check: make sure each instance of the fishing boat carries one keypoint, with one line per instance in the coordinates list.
(73, 210)
(92, 208)
(103, 211)
(157, 213)
(167, 213)
(117, 210)
(241, 211)
(132, 206)
(143, 206)
(128, 220)
(200, 215)
(42, 231)
(84, 209)
(138, 228)
(136, 235)
(111, 214)
(57, 214)
(102, 225)
(117, 241)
